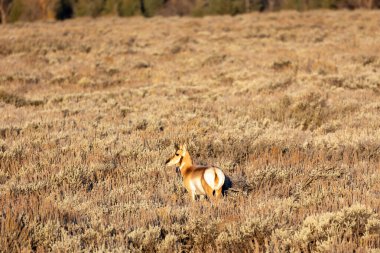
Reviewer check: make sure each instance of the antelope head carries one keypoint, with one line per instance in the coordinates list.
(178, 158)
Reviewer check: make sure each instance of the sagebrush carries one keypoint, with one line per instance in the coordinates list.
(287, 104)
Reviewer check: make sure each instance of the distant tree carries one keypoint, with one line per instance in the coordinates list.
(177, 7)
(47, 8)
(92, 8)
(265, 5)
(127, 8)
(150, 7)
(232, 7)
(26, 10)
(256, 5)
(5, 7)
(111, 7)
(367, 3)
(142, 7)
(29, 10)
(64, 10)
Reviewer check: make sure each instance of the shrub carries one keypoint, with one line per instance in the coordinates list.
(150, 7)
(321, 231)
(219, 7)
(127, 7)
(16, 10)
(88, 7)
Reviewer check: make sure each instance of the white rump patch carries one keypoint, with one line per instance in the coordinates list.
(221, 178)
(209, 177)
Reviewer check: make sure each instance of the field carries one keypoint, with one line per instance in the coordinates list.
(287, 104)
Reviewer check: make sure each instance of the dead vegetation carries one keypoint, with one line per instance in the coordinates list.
(286, 103)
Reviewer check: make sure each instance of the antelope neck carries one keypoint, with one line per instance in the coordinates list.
(185, 163)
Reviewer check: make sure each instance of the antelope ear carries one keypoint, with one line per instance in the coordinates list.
(176, 146)
(184, 149)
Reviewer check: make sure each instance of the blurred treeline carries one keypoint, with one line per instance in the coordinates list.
(29, 10)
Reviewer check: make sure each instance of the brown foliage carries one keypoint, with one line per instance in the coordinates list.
(287, 104)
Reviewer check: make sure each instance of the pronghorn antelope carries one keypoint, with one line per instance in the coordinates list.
(198, 180)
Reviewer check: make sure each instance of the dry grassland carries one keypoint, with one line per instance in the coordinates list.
(288, 104)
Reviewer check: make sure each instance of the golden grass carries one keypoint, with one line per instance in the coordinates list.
(287, 104)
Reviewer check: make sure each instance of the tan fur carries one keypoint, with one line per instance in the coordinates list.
(194, 178)
(216, 179)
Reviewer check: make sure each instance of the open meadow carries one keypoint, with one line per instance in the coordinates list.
(286, 103)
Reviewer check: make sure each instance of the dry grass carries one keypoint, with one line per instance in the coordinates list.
(286, 103)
